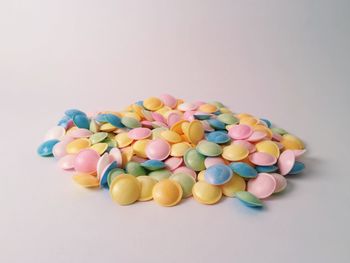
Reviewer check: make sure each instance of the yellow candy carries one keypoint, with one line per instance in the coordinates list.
(179, 149)
(147, 184)
(77, 145)
(171, 136)
(138, 110)
(260, 127)
(125, 189)
(107, 127)
(100, 147)
(152, 104)
(139, 147)
(131, 115)
(206, 193)
(235, 152)
(127, 154)
(167, 192)
(86, 180)
(251, 121)
(163, 110)
(195, 132)
(123, 139)
(243, 115)
(225, 110)
(177, 127)
(208, 108)
(291, 142)
(147, 115)
(200, 176)
(268, 147)
(236, 184)
(156, 133)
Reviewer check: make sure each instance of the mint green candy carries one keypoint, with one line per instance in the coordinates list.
(113, 174)
(135, 169)
(98, 137)
(194, 160)
(279, 130)
(130, 122)
(249, 199)
(210, 149)
(227, 118)
(160, 174)
(186, 181)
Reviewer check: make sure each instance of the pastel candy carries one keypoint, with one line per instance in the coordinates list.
(218, 174)
(86, 161)
(262, 186)
(243, 170)
(45, 149)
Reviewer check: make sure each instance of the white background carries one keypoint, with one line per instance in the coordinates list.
(284, 60)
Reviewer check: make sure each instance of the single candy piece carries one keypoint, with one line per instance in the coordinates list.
(195, 131)
(263, 159)
(55, 133)
(135, 169)
(116, 155)
(216, 124)
(158, 149)
(72, 112)
(171, 136)
(152, 104)
(210, 149)
(228, 118)
(102, 163)
(86, 180)
(186, 181)
(179, 149)
(281, 182)
(269, 147)
(194, 160)
(240, 132)
(210, 161)
(292, 142)
(160, 174)
(219, 137)
(235, 152)
(168, 100)
(185, 170)
(139, 133)
(125, 189)
(233, 186)
(86, 161)
(123, 140)
(266, 169)
(77, 145)
(167, 192)
(100, 147)
(208, 108)
(45, 149)
(81, 121)
(248, 199)
(79, 133)
(262, 186)
(206, 193)
(173, 163)
(139, 148)
(251, 147)
(130, 122)
(218, 174)
(113, 174)
(104, 176)
(147, 184)
(67, 162)
(98, 137)
(113, 120)
(243, 170)
(298, 167)
(286, 162)
(153, 165)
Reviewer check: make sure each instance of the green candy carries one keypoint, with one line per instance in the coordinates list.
(249, 199)
(207, 148)
(279, 130)
(160, 174)
(135, 169)
(130, 122)
(113, 174)
(186, 181)
(98, 137)
(194, 160)
(227, 118)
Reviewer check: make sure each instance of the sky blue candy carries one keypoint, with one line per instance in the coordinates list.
(101, 118)
(153, 165)
(110, 118)
(64, 122)
(218, 137)
(268, 123)
(297, 168)
(202, 116)
(81, 121)
(216, 124)
(266, 169)
(218, 174)
(72, 112)
(45, 149)
(243, 170)
(104, 176)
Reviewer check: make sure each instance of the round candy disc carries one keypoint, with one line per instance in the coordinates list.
(286, 162)
(264, 159)
(194, 160)
(45, 149)
(139, 133)
(77, 145)
(235, 152)
(243, 170)
(179, 149)
(158, 149)
(233, 186)
(218, 174)
(298, 167)
(281, 182)
(86, 180)
(147, 184)
(153, 165)
(167, 192)
(210, 149)
(98, 137)
(240, 132)
(134, 168)
(86, 161)
(206, 193)
(195, 131)
(262, 186)
(219, 137)
(125, 189)
(171, 136)
(268, 147)
(186, 181)
(55, 133)
(248, 199)
(210, 161)
(152, 104)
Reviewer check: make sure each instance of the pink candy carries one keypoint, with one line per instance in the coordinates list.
(86, 161)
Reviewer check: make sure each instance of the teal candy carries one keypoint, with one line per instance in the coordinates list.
(194, 160)
(249, 199)
(202, 116)
(81, 121)
(72, 112)
(153, 165)
(45, 149)
(266, 169)
(104, 176)
(297, 168)
(243, 170)
(219, 137)
(216, 124)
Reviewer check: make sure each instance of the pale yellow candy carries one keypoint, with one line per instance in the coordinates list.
(235, 152)
(107, 127)
(139, 147)
(243, 115)
(163, 110)
(156, 133)
(167, 192)
(147, 184)
(123, 139)
(171, 136)
(195, 131)
(177, 127)
(125, 189)
(206, 193)
(100, 148)
(200, 176)
(236, 184)
(225, 110)
(179, 149)
(260, 127)
(207, 108)
(147, 115)
(77, 145)
(138, 110)
(153, 104)
(131, 115)
(251, 121)
(127, 154)
(86, 180)
(268, 147)
(291, 142)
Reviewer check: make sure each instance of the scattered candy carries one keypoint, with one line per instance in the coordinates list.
(167, 149)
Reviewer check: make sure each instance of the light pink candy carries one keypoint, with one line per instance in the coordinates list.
(67, 162)
(251, 147)
(240, 132)
(207, 126)
(189, 115)
(158, 149)
(168, 100)
(281, 182)
(102, 163)
(156, 124)
(138, 159)
(261, 158)
(146, 124)
(256, 136)
(116, 155)
(186, 106)
(210, 161)
(173, 118)
(277, 137)
(86, 161)
(262, 186)
(139, 133)
(185, 170)
(286, 161)
(80, 133)
(173, 163)
(158, 117)
(59, 150)
(298, 153)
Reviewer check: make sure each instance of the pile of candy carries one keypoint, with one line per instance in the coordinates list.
(166, 149)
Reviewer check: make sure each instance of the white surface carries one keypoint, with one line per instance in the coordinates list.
(284, 60)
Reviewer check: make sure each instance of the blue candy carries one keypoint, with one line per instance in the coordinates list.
(218, 137)
(297, 168)
(45, 149)
(104, 176)
(218, 174)
(266, 169)
(81, 121)
(268, 123)
(216, 124)
(72, 112)
(153, 165)
(243, 170)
